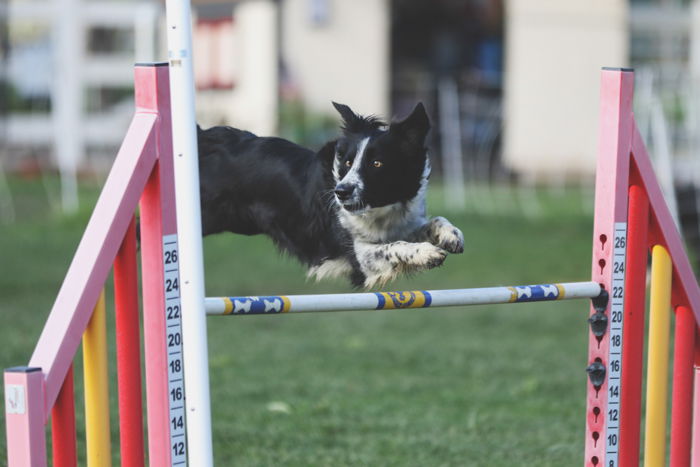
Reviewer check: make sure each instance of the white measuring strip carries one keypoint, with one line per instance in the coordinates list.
(173, 342)
(614, 368)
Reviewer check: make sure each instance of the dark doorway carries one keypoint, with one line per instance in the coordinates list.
(455, 45)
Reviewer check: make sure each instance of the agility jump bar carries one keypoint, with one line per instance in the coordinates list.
(275, 304)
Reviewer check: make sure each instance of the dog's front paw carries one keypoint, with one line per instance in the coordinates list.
(426, 256)
(451, 240)
(383, 263)
(446, 236)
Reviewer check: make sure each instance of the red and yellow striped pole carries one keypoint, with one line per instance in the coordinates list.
(99, 451)
(633, 335)
(63, 440)
(657, 360)
(126, 317)
(682, 396)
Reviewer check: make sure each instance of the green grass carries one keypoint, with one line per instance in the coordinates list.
(491, 386)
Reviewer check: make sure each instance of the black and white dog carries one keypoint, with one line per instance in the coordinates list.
(356, 208)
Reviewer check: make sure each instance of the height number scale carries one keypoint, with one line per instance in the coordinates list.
(614, 369)
(173, 342)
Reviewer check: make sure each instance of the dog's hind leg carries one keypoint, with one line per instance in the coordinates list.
(440, 232)
(331, 268)
(381, 263)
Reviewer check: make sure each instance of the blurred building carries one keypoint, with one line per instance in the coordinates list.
(65, 81)
(236, 53)
(275, 66)
(512, 86)
(554, 53)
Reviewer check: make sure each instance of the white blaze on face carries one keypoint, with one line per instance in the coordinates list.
(336, 167)
(353, 175)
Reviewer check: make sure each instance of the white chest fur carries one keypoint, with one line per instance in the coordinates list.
(387, 223)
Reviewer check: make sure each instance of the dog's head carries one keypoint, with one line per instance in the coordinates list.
(376, 165)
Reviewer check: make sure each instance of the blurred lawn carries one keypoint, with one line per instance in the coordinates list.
(491, 386)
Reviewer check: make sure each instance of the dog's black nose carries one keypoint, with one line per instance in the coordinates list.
(344, 191)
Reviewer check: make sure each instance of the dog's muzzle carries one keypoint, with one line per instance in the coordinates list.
(347, 195)
(344, 191)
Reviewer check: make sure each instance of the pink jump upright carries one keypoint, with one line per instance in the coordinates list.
(144, 159)
(631, 217)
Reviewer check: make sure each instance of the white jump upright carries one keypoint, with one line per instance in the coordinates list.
(194, 330)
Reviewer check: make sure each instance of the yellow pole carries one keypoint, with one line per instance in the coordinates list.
(657, 359)
(99, 452)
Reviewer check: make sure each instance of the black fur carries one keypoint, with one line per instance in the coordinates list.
(251, 185)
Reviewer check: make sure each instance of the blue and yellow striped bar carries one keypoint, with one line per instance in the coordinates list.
(276, 304)
(394, 300)
(255, 305)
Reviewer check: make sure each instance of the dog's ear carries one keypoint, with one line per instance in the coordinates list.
(350, 118)
(327, 153)
(415, 127)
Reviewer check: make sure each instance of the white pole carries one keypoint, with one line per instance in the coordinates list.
(67, 97)
(194, 330)
(257, 68)
(451, 138)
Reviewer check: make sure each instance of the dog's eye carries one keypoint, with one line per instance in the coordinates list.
(377, 164)
(348, 163)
